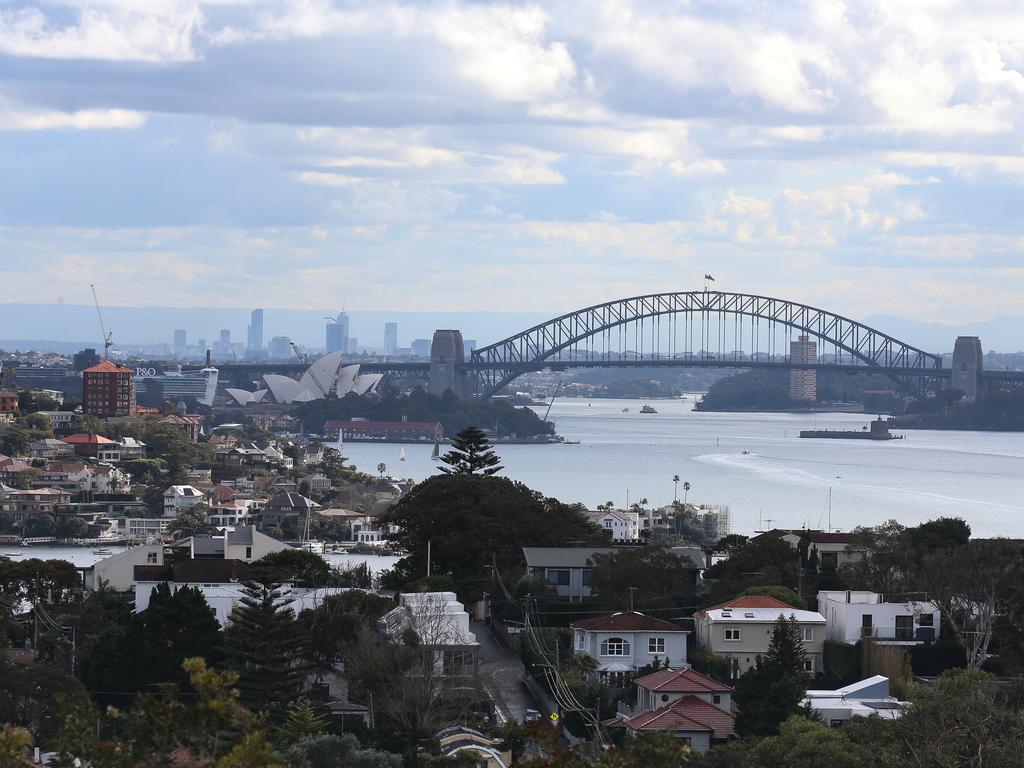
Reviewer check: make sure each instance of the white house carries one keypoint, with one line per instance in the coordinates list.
(862, 699)
(624, 642)
(244, 543)
(742, 630)
(317, 482)
(442, 624)
(181, 497)
(142, 527)
(117, 572)
(852, 616)
(130, 448)
(61, 420)
(622, 525)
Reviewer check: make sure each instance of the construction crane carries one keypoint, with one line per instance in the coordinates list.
(298, 352)
(108, 338)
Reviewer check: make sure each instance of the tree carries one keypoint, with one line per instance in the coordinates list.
(72, 528)
(686, 491)
(339, 752)
(471, 453)
(29, 696)
(14, 746)
(192, 519)
(755, 563)
(771, 692)
(644, 577)
(293, 565)
(41, 525)
(302, 721)
(973, 585)
(468, 518)
(332, 464)
(803, 743)
(382, 469)
(675, 488)
(263, 645)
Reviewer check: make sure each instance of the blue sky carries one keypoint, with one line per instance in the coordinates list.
(472, 156)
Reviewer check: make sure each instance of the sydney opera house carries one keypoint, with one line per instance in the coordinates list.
(328, 375)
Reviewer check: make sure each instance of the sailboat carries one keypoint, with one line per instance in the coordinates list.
(435, 455)
(401, 453)
(307, 544)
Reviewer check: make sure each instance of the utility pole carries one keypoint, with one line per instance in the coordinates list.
(632, 594)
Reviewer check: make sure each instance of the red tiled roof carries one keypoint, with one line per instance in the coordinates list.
(681, 681)
(87, 439)
(627, 621)
(686, 714)
(746, 601)
(106, 366)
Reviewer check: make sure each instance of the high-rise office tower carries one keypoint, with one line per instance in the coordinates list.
(254, 335)
(421, 347)
(468, 345)
(390, 338)
(337, 333)
(179, 340)
(279, 348)
(803, 382)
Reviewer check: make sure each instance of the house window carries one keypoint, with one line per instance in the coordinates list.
(808, 634)
(732, 633)
(926, 620)
(664, 697)
(558, 577)
(615, 646)
(580, 641)
(248, 553)
(809, 665)
(656, 645)
(586, 577)
(151, 558)
(716, 699)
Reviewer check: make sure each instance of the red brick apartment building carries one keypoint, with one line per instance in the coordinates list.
(108, 389)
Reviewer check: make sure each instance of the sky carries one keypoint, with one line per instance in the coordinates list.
(864, 157)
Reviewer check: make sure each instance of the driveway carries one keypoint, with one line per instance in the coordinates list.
(502, 673)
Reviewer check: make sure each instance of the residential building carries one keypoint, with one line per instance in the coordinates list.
(854, 615)
(833, 549)
(621, 525)
(358, 430)
(50, 448)
(178, 498)
(254, 333)
(21, 506)
(244, 544)
(285, 506)
(108, 389)
(742, 630)
(70, 476)
(625, 642)
(311, 454)
(61, 421)
(130, 448)
(667, 685)
(861, 699)
(14, 471)
(441, 622)
(337, 334)
(390, 339)
(188, 424)
(803, 382)
(566, 569)
(117, 572)
(368, 530)
(8, 401)
(142, 528)
(317, 483)
(88, 445)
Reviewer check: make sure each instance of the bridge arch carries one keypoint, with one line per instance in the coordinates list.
(500, 363)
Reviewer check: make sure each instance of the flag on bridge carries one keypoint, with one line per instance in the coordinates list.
(709, 277)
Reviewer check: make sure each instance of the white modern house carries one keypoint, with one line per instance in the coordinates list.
(852, 616)
(862, 699)
(624, 642)
(117, 572)
(142, 527)
(441, 622)
(742, 630)
(181, 497)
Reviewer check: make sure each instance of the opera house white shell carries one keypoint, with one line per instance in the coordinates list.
(326, 375)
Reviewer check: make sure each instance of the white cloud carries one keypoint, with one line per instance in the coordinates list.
(15, 118)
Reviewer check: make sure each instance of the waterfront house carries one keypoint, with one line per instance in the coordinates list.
(620, 525)
(21, 506)
(855, 615)
(49, 448)
(286, 506)
(622, 643)
(742, 630)
(88, 445)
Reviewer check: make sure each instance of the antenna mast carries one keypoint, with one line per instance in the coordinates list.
(108, 338)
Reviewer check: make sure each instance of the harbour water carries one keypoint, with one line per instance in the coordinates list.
(783, 481)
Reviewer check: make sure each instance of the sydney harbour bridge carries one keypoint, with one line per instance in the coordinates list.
(710, 329)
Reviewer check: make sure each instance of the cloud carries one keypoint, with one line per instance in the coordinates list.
(19, 119)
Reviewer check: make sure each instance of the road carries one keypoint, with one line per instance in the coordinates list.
(501, 673)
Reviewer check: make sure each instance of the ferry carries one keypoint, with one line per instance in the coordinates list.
(647, 409)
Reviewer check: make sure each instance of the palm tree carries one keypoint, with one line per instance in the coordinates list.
(686, 491)
(382, 468)
(675, 490)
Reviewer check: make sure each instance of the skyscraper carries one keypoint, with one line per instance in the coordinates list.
(254, 335)
(179, 340)
(337, 333)
(803, 382)
(390, 339)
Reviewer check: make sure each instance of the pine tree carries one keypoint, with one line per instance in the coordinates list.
(263, 644)
(302, 722)
(770, 693)
(471, 453)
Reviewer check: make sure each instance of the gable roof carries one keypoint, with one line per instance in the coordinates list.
(681, 681)
(627, 621)
(80, 438)
(745, 601)
(685, 714)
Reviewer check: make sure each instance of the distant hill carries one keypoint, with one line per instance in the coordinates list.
(1003, 334)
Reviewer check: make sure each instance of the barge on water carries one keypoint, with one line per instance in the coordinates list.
(878, 430)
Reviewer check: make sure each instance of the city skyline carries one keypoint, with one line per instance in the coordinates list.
(420, 156)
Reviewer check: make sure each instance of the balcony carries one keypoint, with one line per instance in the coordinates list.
(899, 634)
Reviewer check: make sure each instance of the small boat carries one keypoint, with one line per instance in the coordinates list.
(401, 454)
(745, 452)
(647, 409)
(625, 410)
(12, 554)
